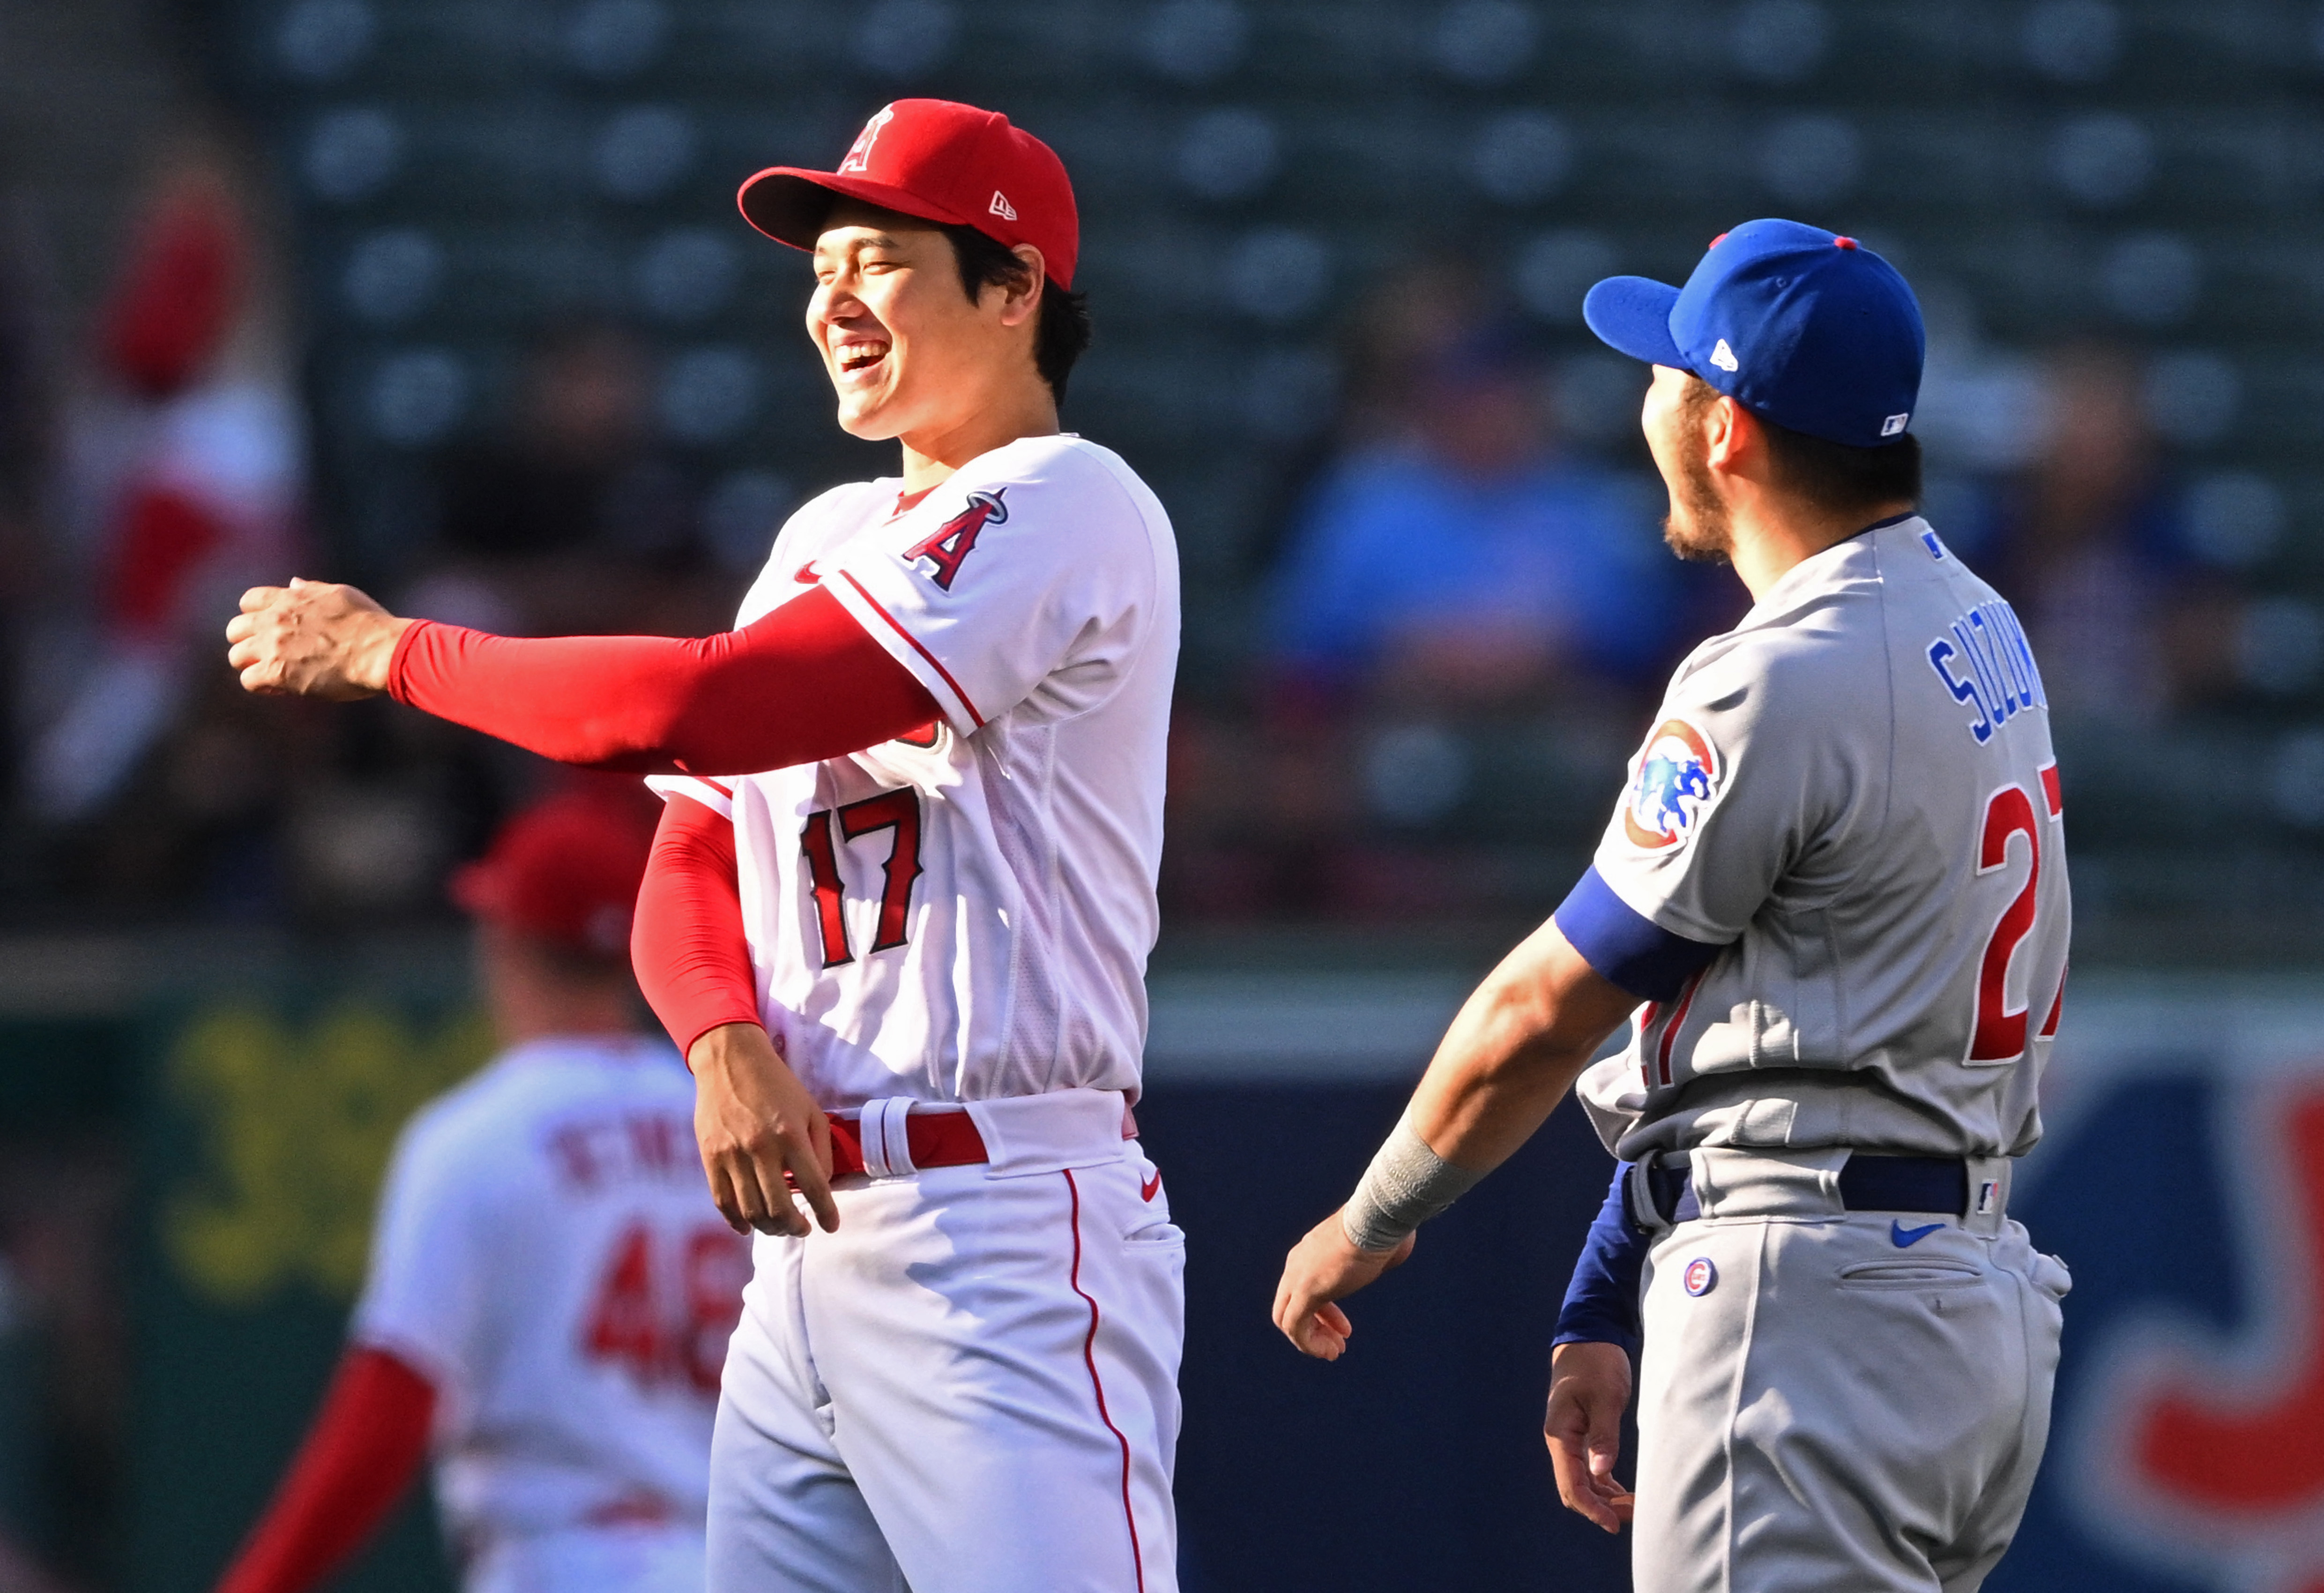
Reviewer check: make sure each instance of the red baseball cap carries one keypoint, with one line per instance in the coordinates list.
(566, 870)
(939, 161)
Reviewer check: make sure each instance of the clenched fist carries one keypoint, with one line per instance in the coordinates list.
(312, 639)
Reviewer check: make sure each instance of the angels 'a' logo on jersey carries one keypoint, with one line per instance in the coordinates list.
(1677, 777)
(948, 545)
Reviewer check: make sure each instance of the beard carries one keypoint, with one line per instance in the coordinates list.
(1696, 529)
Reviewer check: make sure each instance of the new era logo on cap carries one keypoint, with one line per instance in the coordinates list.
(1723, 357)
(1000, 207)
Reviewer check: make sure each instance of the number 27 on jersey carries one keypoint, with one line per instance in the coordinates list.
(1999, 1032)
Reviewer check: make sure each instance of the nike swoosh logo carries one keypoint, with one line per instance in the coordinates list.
(808, 574)
(1908, 1237)
(1151, 1188)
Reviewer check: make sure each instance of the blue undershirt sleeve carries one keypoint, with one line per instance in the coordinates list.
(1602, 1302)
(1629, 951)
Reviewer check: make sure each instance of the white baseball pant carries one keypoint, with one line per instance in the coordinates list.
(971, 1386)
(628, 1558)
(1823, 1409)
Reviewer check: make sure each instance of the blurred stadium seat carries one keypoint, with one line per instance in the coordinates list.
(2143, 173)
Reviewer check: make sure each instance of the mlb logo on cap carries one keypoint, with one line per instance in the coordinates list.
(1806, 328)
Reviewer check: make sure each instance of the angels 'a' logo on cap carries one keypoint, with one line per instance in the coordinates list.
(1677, 777)
(859, 154)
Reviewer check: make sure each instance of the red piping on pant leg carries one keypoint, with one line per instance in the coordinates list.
(1089, 1357)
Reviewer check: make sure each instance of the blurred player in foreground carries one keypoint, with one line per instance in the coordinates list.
(550, 1296)
(1838, 885)
(900, 904)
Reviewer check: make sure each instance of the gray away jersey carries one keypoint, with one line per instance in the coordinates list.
(1838, 875)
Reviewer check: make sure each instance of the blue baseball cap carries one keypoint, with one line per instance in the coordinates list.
(1809, 329)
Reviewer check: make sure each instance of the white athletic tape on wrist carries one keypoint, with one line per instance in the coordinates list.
(1406, 1184)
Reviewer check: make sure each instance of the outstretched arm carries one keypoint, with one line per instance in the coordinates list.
(753, 1120)
(1517, 1045)
(803, 684)
(367, 1441)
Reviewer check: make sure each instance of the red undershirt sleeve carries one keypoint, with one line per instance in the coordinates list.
(367, 1441)
(803, 684)
(687, 944)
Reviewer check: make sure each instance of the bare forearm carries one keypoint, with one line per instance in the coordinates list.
(1512, 1052)
(1514, 1048)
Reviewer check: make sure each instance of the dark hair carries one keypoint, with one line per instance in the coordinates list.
(1833, 477)
(1062, 331)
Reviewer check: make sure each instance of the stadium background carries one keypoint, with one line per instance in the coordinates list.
(483, 332)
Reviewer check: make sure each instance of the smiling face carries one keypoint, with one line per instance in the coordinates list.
(909, 352)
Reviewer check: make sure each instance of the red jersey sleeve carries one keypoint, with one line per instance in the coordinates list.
(367, 1440)
(687, 944)
(803, 684)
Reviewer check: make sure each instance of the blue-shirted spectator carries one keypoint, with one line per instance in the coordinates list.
(2094, 546)
(1460, 561)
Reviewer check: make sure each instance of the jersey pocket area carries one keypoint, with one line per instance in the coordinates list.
(1919, 1273)
(1154, 1237)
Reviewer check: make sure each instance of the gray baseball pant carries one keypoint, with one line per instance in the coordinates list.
(1825, 1409)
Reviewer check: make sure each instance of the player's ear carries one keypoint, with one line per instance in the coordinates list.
(1730, 432)
(1021, 298)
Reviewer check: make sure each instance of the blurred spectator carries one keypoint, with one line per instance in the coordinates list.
(186, 483)
(2091, 547)
(1465, 625)
(574, 520)
(1458, 562)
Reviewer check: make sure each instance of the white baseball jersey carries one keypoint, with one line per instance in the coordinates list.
(1839, 869)
(545, 1254)
(966, 914)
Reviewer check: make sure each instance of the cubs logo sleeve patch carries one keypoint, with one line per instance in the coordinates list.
(1677, 777)
(1721, 795)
